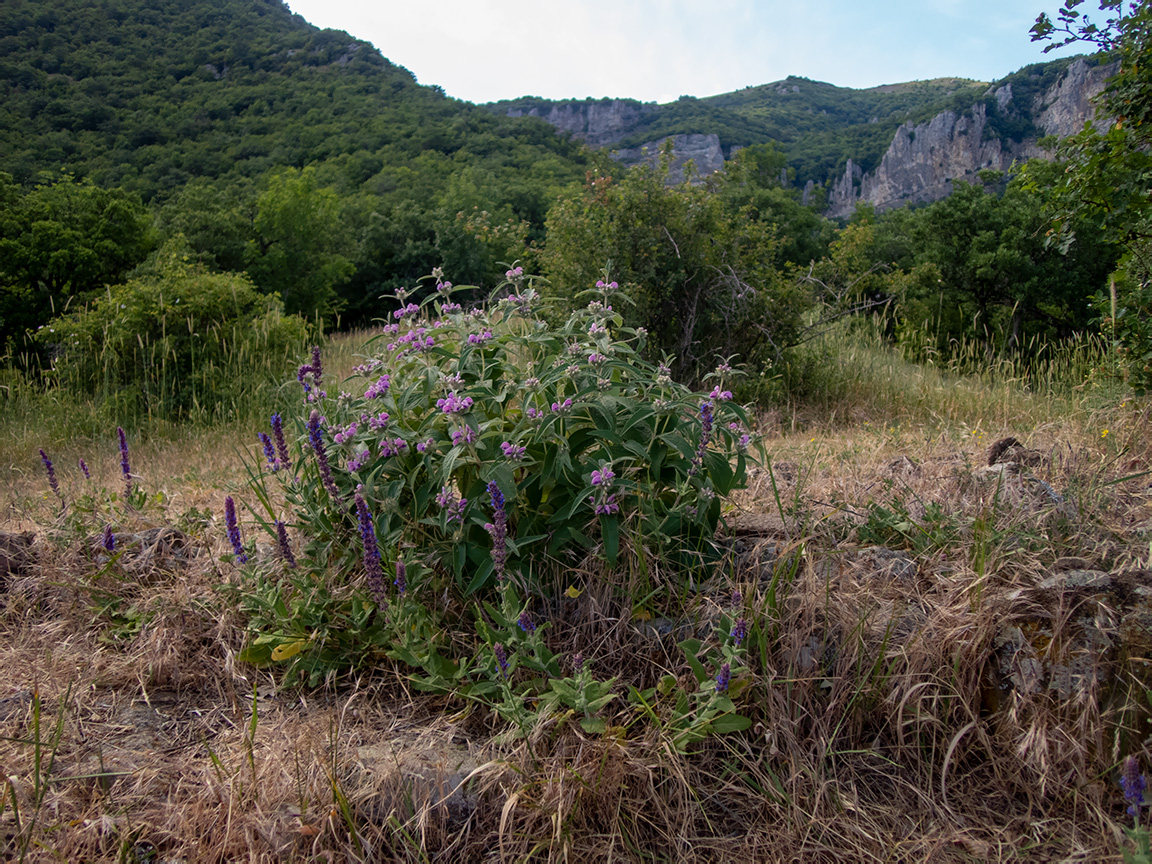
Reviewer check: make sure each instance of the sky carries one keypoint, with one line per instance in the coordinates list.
(658, 50)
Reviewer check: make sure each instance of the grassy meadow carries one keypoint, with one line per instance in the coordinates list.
(949, 660)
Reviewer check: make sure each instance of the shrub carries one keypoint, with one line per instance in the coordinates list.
(176, 343)
(475, 451)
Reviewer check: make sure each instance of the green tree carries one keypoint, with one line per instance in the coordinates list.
(61, 243)
(1108, 170)
(301, 246)
(702, 275)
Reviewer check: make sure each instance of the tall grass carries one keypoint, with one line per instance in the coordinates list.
(853, 372)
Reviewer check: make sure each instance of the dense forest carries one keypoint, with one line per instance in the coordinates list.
(141, 144)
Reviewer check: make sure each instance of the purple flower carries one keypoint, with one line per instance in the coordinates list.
(51, 474)
(562, 407)
(358, 461)
(316, 439)
(84, 470)
(606, 507)
(501, 658)
(498, 528)
(723, 678)
(346, 434)
(285, 547)
(453, 404)
(720, 395)
(278, 437)
(603, 477)
(739, 632)
(317, 370)
(737, 597)
(447, 501)
(269, 452)
(705, 436)
(425, 446)
(513, 452)
(378, 388)
(380, 421)
(125, 469)
(463, 435)
(446, 308)
(479, 338)
(109, 539)
(372, 567)
(234, 530)
(526, 623)
(1134, 785)
(401, 582)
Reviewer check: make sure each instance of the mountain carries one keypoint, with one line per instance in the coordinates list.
(150, 95)
(885, 145)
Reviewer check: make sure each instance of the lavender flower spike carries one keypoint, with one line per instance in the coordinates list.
(269, 453)
(401, 582)
(234, 530)
(372, 567)
(109, 539)
(84, 470)
(723, 678)
(278, 437)
(1134, 785)
(51, 475)
(285, 546)
(316, 439)
(501, 658)
(498, 528)
(125, 468)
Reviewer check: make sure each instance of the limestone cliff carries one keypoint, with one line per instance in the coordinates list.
(924, 159)
(599, 123)
(703, 150)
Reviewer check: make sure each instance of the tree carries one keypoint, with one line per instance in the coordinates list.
(1108, 173)
(300, 250)
(702, 275)
(61, 243)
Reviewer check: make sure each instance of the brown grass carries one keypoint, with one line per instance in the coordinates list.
(952, 696)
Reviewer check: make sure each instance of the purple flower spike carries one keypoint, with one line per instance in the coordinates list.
(125, 468)
(84, 470)
(739, 632)
(372, 566)
(316, 439)
(109, 539)
(723, 678)
(51, 474)
(401, 582)
(526, 623)
(269, 452)
(278, 437)
(285, 547)
(234, 530)
(1134, 785)
(705, 436)
(317, 369)
(501, 658)
(498, 528)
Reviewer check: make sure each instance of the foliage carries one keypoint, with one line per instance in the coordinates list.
(487, 447)
(175, 342)
(702, 274)
(60, 243)
(1107, 169)
(300, 241)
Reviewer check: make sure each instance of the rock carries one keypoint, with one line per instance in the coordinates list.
(880, 562)
(1084, 580)
(702, 150)
(16, 555)
(430, 774)
(924, 160)
(1010, 450)
(599, 123)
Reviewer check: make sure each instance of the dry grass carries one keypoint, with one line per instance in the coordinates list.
(951, 696)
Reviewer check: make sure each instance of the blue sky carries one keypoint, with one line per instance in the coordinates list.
(657, 50)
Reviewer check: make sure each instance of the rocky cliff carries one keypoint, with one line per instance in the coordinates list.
(703, 150)
(599, 123)
(925, 159)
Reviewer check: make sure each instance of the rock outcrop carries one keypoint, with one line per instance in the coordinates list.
(703, 150)
(600, 124)
(924, 160)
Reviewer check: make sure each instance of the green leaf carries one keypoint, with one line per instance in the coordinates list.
(730, 723)
(610, 531)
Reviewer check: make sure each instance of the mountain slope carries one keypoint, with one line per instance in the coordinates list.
(148, 96)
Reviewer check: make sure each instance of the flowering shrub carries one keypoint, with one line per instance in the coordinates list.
(470, 449)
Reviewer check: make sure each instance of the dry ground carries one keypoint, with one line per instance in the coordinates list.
(953, 666)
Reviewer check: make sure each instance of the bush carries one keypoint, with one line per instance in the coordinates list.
(180, 342)
(477, 453)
